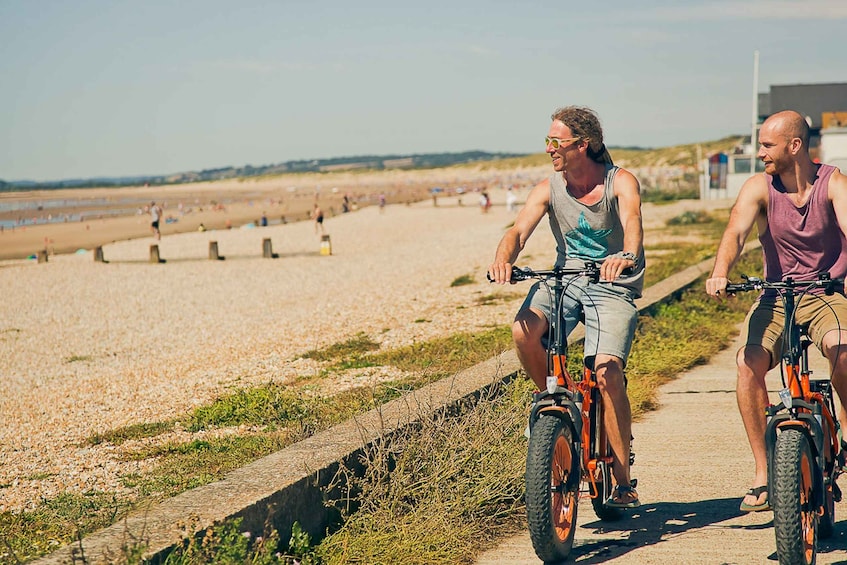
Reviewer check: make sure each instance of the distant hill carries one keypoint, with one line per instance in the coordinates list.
(370, 162)
(677, 155)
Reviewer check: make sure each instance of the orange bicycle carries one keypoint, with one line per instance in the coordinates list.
(802, 435)
(568, 454)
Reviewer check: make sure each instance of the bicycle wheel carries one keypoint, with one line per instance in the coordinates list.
(795, 518)
(552, 488)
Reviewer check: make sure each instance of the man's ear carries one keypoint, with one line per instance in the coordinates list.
(795, 145)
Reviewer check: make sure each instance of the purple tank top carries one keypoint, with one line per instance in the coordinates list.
(802, 242)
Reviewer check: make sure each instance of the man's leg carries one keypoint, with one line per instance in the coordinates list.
(752, 395)
(617, 414)
(529, 327)
(835, 350)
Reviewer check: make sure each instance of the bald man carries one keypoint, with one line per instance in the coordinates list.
(799, 208)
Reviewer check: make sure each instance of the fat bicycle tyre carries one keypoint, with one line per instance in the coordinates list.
(552, 488)
(795, 517)
(606, 513)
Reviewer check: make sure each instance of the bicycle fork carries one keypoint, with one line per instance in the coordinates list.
(805, 417)
(559, 402)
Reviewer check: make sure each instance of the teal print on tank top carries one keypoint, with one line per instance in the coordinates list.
(586, 242)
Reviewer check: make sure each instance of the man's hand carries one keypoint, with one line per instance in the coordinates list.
(500, 273)
(716, 287)
(614, 266)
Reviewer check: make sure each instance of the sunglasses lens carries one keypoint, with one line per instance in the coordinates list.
(552, 141)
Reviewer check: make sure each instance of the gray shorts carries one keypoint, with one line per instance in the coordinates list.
(610, 314)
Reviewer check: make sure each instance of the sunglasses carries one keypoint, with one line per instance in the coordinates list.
(556, 142)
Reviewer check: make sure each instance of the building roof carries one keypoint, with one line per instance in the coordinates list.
(811, 100)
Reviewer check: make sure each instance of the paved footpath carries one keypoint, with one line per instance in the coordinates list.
(693, 464)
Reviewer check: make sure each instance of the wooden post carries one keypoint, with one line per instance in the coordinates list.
(213, 251)
(98, 255)
(268, 250)
(326, 245)
(154, 254)
(42, 256)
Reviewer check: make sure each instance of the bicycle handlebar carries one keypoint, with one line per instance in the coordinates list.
(590, 270)
(824, 281)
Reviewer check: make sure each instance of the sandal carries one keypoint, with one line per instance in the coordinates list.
(623, 497)
(757, 492)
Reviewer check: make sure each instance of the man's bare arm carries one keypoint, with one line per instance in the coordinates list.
(516, 237)
(628, 193)
(838, 195)
(749, 207)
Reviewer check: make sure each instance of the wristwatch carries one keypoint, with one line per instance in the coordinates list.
(627, 255)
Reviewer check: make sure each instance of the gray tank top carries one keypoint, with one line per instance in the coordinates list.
(590, 233)
(801, 242)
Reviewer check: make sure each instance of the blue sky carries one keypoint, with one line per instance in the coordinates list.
(119, 88)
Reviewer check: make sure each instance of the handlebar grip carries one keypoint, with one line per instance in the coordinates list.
(518, 275)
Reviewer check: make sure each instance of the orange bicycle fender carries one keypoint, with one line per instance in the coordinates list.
(560, 409)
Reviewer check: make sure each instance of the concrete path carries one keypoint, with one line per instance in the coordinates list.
(693, 464)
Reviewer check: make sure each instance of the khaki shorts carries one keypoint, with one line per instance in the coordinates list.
(765, 321)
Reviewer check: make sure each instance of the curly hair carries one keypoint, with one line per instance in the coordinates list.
(584, 123)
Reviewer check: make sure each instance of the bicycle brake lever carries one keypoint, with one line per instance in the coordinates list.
(520, 274)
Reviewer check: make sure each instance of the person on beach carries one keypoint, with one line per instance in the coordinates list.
(511, 200)
(484, 202)
(594, 211)
(800, 211)
(318, 217)
(155, 217)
